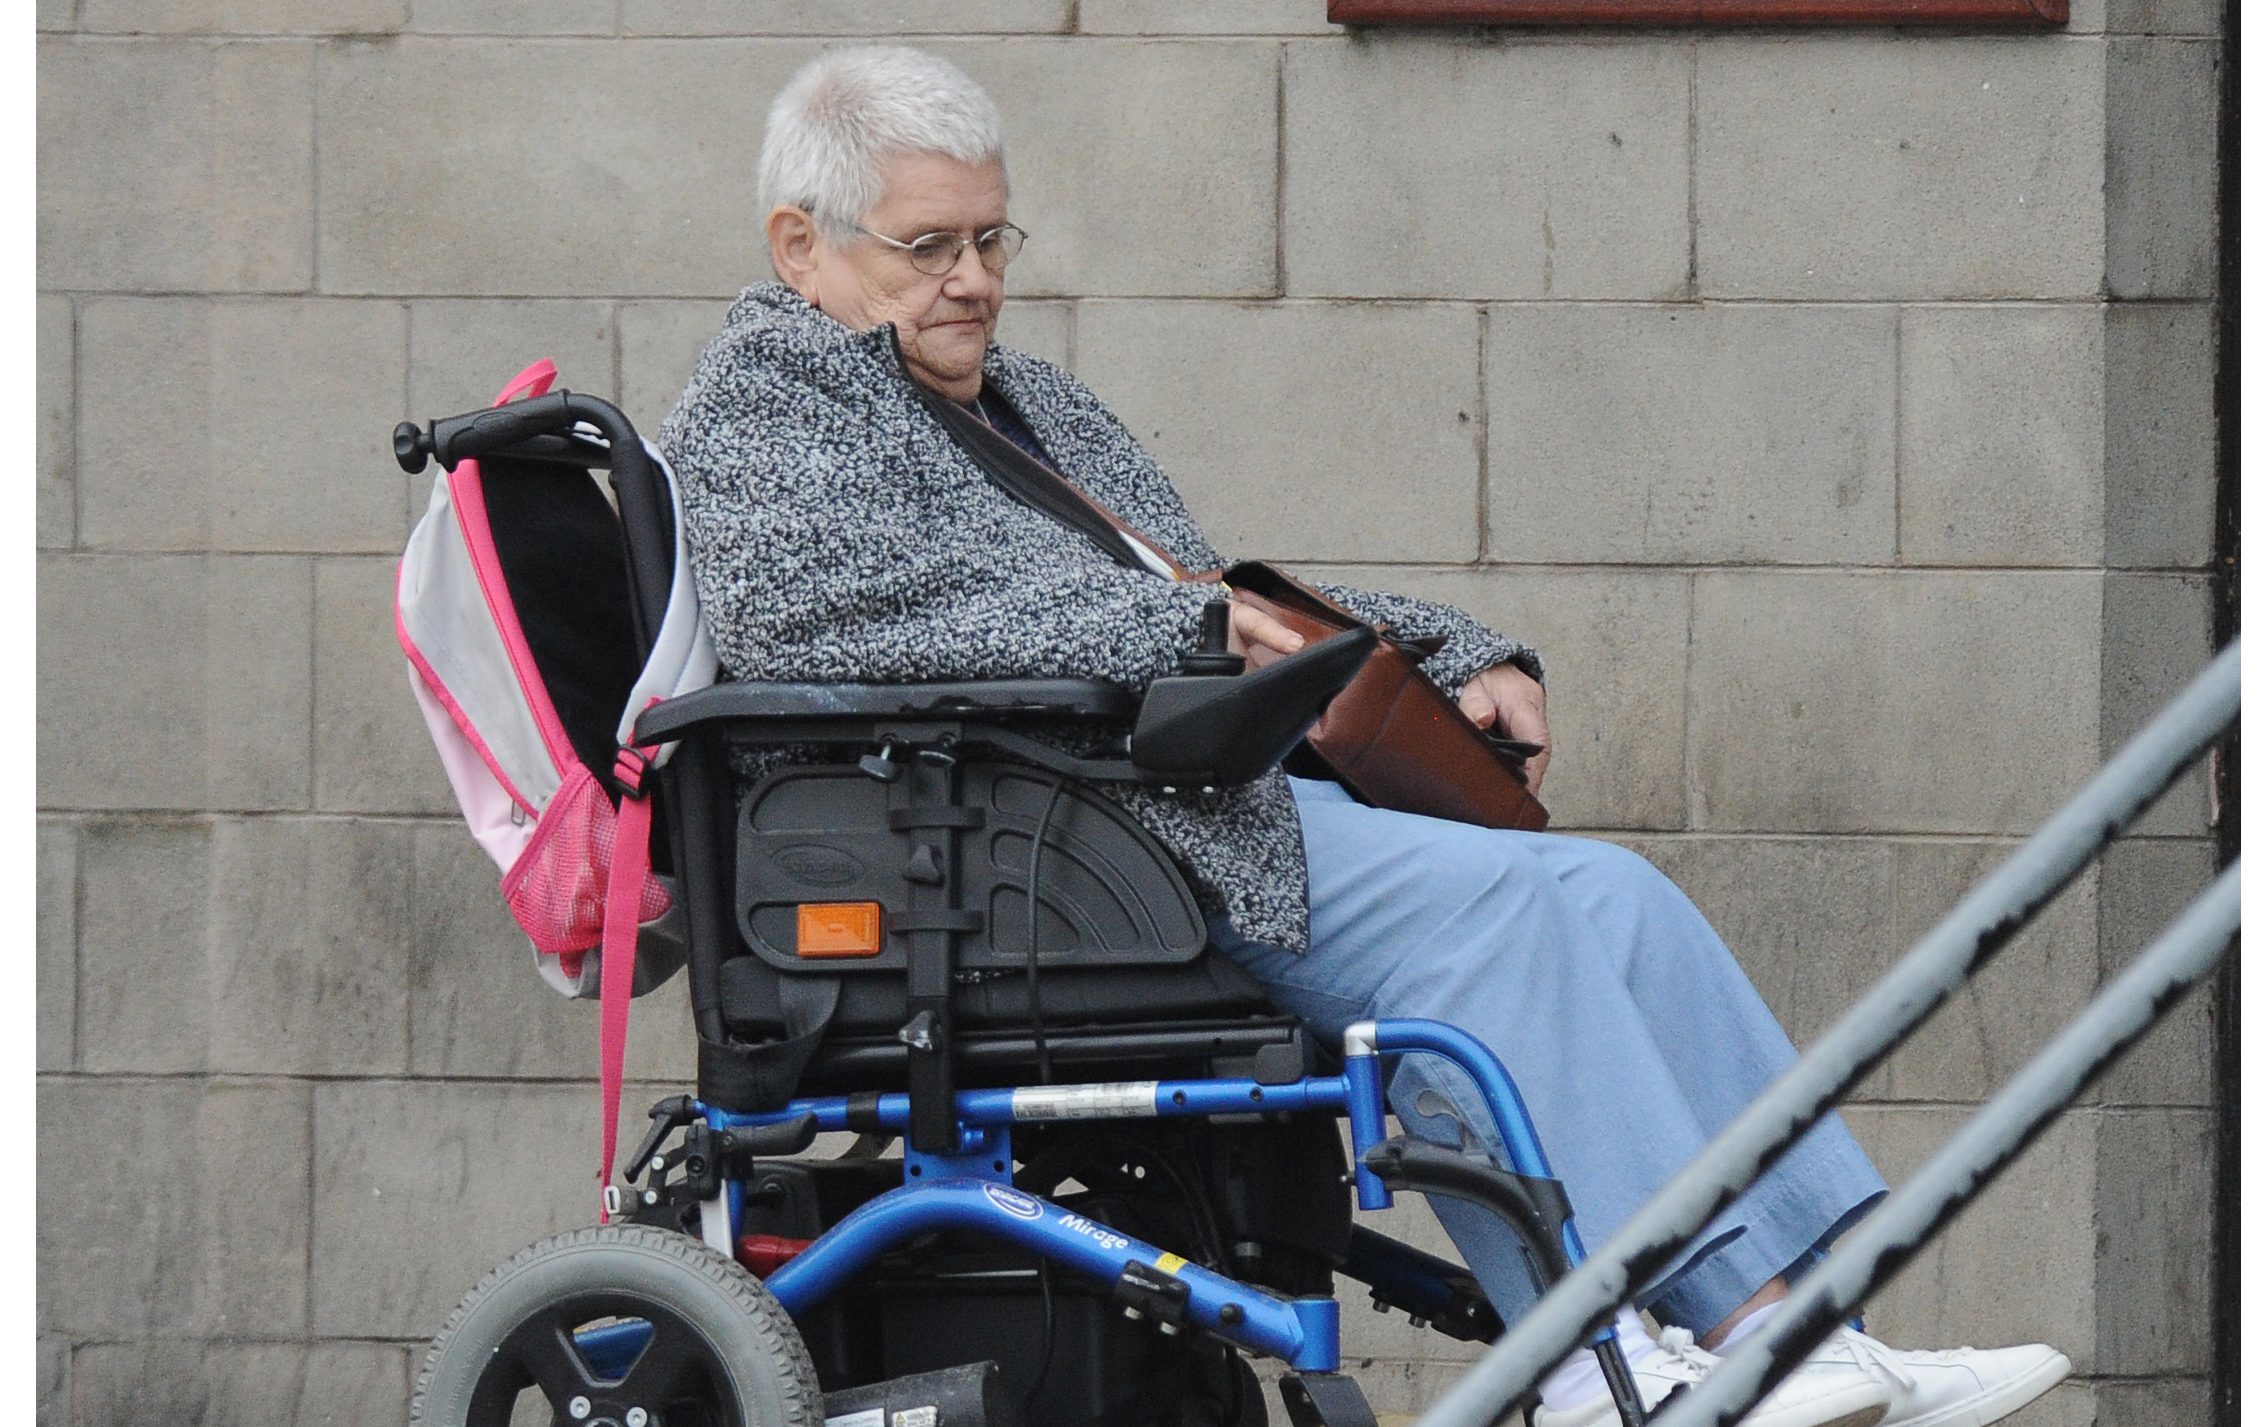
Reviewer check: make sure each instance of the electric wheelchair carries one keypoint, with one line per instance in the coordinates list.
(920, 919)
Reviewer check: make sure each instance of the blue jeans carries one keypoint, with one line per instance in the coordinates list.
(1627, 1023)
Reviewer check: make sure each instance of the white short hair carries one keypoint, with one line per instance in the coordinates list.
(848, 111)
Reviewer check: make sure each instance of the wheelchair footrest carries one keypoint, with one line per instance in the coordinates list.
(1536, 1209)
(1324, 1399)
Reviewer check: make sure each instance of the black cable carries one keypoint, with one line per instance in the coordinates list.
(1198, 1211)
(1035, 999)
(1043, 1074)
(1044, 1358)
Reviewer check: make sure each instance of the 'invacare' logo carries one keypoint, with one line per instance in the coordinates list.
(1013, 1202)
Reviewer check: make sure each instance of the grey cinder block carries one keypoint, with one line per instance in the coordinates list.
(373, 752)
(2166, 17)
(1305, 431)
(2159, 434)
(468, 1174)
(243, 17)
(909, 18)
(509, 17)
(217, 138)
(309, 944)
(2145, 884)
(185, 684)
(241, 426)
(1615, 648)
(2154, 1260)
(1428, 167)
(2002, 425)
(57, 943)
(173, 1207)
(2157, 634)
(262, 946)
(460, 352)
(660, 343)
(1891, 702)
(1138, 167)
(1400, 1389)
(2071, 1403)
(144, 936)
(54, 1402)
(56, 515)
(273, 1384)
(1041, 328)
(1969, 167)
(2153, 1402)
(1690, 433)
(668, 138)
(2160, 167)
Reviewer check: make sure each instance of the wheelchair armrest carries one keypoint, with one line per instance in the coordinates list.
(1209, 729)
(978, 701)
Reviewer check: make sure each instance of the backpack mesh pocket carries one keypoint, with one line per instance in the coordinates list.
(556, 887)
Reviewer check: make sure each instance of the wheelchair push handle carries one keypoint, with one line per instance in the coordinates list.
(546, 427)
(451, 439)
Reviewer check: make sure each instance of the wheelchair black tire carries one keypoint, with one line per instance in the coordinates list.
(752, 1354)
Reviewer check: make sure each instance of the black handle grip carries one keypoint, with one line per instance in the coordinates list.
(455, 438)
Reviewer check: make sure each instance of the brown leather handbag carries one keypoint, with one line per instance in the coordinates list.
(1392, 737)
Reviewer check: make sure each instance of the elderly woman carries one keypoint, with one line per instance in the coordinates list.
(839, 533)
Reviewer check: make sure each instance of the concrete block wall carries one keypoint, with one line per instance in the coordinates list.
(1833, 409)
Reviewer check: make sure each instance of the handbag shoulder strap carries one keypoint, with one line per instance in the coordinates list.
(1037, 485)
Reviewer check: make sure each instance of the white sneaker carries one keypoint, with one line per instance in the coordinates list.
(1816, 1395)
(1967, 1387)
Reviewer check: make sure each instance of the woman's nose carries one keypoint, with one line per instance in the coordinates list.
(969, 278)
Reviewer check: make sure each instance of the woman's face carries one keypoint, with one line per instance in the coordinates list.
(945, 322)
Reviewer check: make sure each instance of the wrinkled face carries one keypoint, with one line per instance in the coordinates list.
(944, 321)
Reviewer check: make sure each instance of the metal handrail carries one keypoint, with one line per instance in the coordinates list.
(1893, 1009)
(2183, 956)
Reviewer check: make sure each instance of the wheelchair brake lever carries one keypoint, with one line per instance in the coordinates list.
(667, 1116)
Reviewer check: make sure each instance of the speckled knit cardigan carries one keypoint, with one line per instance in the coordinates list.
(838, 533)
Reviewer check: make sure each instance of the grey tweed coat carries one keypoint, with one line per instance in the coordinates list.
(838, 533)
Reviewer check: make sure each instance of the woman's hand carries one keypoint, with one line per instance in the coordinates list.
(1251, 627)
(1506, 696)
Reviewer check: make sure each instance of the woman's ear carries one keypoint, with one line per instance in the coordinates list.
(792, 250)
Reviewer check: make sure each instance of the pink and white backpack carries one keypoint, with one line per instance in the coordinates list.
(513, 610)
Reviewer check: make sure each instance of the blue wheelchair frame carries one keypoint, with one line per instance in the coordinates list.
(972, 1189)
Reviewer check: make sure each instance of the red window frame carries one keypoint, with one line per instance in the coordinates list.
(2002, 14)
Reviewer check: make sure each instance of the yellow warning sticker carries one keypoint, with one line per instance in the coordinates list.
(1169, 1263)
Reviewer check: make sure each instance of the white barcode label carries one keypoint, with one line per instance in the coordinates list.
(1084, 1102)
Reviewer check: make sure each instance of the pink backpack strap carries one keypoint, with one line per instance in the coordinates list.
(533, 381)
(616, 977)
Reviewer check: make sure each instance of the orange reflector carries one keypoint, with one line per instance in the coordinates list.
(838, 929)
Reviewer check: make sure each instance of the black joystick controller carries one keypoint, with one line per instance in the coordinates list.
(1214, 656)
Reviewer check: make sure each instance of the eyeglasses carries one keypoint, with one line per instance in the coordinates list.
(934, 254)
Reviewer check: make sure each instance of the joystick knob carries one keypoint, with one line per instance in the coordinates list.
(1214, 656)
